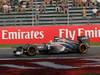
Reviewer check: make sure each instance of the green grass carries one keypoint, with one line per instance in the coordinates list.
(95, 44)
(14, 45)
(9, 45)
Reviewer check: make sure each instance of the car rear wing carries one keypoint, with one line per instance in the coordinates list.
(83, 39)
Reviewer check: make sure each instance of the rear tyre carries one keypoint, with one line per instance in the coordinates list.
(32, 51)
(83, 49)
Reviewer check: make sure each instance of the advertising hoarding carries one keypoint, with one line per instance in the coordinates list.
(43, 34)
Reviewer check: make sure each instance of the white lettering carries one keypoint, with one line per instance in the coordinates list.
(72, 34)
(80, 31)
(22, 35)
(4, 34)
(67, 33)
(61, 31)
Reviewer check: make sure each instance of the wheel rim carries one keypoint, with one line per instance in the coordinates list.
(83, 49)
(31, 51)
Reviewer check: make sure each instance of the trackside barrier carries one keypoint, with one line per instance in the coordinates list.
(43, 34)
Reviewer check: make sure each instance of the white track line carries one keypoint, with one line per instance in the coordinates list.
(54, 65)
(19, 66)
(32, 58)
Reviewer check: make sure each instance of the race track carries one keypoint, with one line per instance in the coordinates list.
(92, 52)
(58, 64)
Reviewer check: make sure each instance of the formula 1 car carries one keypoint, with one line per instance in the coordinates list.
(58, 45)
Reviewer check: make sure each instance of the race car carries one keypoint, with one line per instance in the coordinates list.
(58, 45)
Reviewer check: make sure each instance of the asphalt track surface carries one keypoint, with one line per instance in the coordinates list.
(93, 51)
(57, 64)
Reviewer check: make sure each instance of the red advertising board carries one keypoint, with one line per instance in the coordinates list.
(43, 34)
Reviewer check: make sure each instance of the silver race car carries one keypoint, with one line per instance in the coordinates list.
(58, 45)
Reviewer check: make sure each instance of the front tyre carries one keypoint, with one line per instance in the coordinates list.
(32, 51)
(83, 49)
